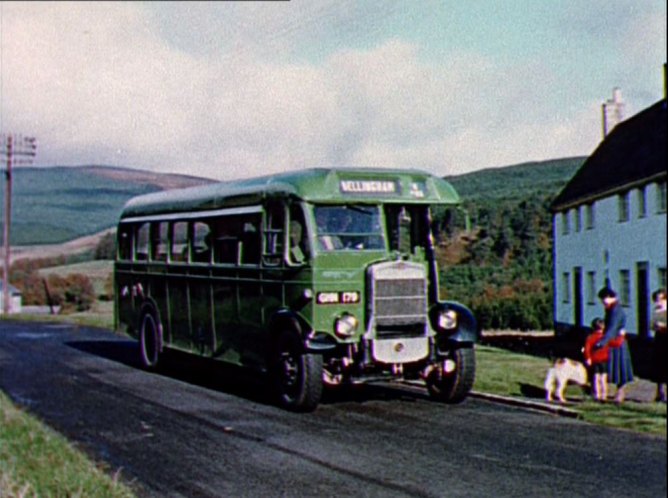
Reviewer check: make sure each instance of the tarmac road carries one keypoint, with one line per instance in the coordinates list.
(199, 430)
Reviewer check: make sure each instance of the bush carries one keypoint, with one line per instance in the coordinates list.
(72, 293)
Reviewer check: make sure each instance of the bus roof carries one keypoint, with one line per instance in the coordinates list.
(318, 185)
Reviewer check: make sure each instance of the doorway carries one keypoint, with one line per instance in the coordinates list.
(642, 287)
(577, 296)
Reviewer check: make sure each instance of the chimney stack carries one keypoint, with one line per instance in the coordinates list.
(613, 111)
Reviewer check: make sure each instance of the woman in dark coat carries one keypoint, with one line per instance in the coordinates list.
(660, 343)
(620, 368)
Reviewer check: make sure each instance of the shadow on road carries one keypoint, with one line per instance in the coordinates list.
(191, 369)
(124, 352)
(240, 382)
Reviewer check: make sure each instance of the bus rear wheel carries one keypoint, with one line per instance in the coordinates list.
(297, 375)
(149, 341)
(453, 387)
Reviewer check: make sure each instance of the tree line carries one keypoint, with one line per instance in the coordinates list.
(502, 266)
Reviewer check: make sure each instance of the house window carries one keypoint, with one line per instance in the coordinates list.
(662, 278)
(589, 216)
(591, 287)
(578, 219)
(625, 287)
(565, 222)
(623, 206)
(642, 202)
(661, 197)
(566, 287)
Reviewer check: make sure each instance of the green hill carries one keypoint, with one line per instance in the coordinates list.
(57, 204)
(514, 182)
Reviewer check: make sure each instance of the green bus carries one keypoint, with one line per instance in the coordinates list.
(316, 277)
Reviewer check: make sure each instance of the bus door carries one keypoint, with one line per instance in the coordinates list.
(273, 269)
(249, 290)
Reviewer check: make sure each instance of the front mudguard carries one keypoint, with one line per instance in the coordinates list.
(317, 343)
(466, 333)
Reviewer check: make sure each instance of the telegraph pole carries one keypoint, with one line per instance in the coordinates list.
(16, 150)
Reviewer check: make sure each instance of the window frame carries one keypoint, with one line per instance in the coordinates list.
(623, 207)
(625, 287)
(642, 202)
(590, 216)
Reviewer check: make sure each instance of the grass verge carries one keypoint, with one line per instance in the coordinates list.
(36, 461)
(518, 375)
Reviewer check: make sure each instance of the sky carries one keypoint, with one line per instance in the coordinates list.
(236, 89)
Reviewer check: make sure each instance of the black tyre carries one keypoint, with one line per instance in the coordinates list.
(297, 375)
(454, 386)
(149, 340)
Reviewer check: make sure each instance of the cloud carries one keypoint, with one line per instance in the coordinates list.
(98, 83)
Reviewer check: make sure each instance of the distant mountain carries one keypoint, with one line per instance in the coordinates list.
(58, 204)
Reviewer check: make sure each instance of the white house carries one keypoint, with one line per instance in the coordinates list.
(609, 225)
(15, 304)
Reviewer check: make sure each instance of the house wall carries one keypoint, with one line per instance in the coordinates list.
(15, 304)
(603, 252)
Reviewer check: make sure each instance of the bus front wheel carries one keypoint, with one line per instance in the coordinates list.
(297, 374)
(149, 341)
(454, 386)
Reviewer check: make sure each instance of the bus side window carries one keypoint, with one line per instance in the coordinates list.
(251, 241)
(125, 243)
(179, 246)
(159, 232)
(201, 243)
(141, 241)
(226, 242)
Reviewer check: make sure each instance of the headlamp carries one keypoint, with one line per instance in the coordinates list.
(447, 320)
(346, 325)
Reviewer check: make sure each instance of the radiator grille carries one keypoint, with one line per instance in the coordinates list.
(399, 302)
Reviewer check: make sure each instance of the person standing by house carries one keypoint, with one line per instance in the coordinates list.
(620, 367)
(597, 361)
(659, 352)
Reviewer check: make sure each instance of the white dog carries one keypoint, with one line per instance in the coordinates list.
(563, 372)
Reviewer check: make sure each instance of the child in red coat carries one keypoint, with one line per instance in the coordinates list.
(597, 358)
